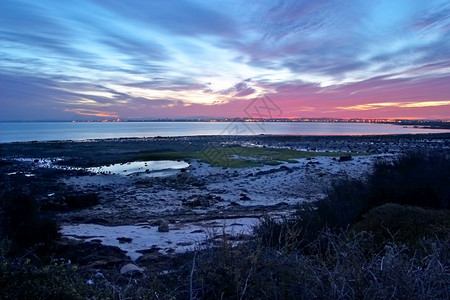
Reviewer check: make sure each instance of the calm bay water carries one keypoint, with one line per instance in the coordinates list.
(46, 131)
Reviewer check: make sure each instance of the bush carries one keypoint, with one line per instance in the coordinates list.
(293, 233)
(406, 225)
(344, 204)
(20, 279)
(414, 179)
(23, 222)
(339, 266)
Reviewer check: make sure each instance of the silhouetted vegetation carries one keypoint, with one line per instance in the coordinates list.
(407, 225)
(23, 222)
(414, 179)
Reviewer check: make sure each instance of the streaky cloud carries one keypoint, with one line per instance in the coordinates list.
(96, 113)
(191, 57)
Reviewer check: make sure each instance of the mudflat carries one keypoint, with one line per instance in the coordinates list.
(201, 184)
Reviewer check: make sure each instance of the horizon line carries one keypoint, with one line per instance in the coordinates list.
(232, 119)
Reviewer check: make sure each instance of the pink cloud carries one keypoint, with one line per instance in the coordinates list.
(95, 113)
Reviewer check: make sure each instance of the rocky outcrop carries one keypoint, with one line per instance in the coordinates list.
(131, 270)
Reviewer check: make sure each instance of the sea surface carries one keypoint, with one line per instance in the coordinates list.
(48, 131)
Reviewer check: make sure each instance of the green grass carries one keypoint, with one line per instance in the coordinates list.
(236, 157)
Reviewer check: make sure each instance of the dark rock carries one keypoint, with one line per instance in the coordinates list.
(98, 221)
(193, 203)
(271, 171)
(153, 257)
(164, 226)
(82, 200)
(123, 240)
(217, 198)
(81, 173)
(201, 200)
(90, 254)
(244, 197)
(345, 158)
(5, 163)
(53, 203)
(154, 222)
(182, 244)
(153, 249)
(284, 168)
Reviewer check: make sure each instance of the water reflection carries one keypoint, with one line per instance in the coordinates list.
(140, 167)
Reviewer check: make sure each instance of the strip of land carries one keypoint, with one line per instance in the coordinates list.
(204, 191)
(227, 177)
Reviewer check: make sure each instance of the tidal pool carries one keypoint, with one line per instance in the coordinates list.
(180, 238)
(140, 167)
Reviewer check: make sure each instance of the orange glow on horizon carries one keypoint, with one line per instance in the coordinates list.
(91, 112)
(379, 105)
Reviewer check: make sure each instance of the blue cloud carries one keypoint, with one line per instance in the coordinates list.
(181, 18)
(57, 52)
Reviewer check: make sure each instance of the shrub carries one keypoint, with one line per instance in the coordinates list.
(20, 279)
(405, 225)
(23, 222)
(293, 233)
(339, 266)
(414, 179)
(344, 204)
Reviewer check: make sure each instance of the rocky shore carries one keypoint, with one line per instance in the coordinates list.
(181, 208)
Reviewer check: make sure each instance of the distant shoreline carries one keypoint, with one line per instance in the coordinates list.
(218, 138)
(63, 131)
(420, 123)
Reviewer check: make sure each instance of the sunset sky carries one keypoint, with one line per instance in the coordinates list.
(65, 60)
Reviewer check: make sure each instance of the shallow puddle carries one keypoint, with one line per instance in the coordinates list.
(180, 237)
(140, 167)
